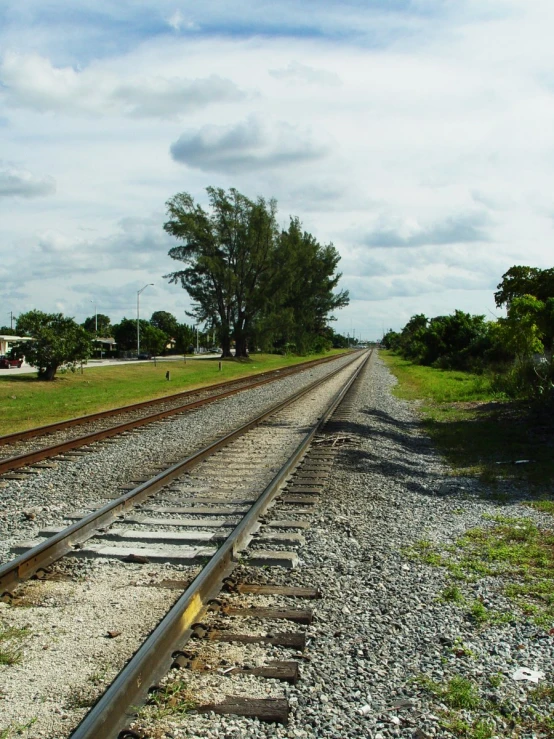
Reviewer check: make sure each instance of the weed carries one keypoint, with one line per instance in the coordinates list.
(19, 729)
(458, 693)
(546, 506)
(543, 692)
(10, 639)
(461, 693)
(452, 594)
(495, 681)
(480, 729)
(173, 699)
(478, 612)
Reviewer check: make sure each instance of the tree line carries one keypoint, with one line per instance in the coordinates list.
(517, 348)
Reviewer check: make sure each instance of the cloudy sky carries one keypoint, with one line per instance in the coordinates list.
(416, 135)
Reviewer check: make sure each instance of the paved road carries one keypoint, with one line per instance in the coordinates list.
(26, 369)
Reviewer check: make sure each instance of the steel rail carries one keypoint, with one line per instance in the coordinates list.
(79, 420)
(116, 707)
(62, 543)
(28, 458)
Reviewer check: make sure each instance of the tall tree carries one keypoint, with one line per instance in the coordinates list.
(166, 322)
(303, 286)
(56, 341)
(226, 252)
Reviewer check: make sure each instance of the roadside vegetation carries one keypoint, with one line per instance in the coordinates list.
(26, 402)
(486, 388)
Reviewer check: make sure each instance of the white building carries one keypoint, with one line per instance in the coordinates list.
(6, 342)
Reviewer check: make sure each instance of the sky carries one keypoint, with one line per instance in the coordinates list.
(415, 135)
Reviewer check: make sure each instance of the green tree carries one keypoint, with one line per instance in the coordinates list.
(125, 333)
(104, 325)
(152, 339)
(300, 293)
(519, 281)
(166, 322)
(56, 342)
(522, 327)
(227, 253)
(7, 331)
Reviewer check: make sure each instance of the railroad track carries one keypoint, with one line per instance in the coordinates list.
(207, 507)
(24, 453)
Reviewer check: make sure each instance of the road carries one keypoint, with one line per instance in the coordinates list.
(26, 369)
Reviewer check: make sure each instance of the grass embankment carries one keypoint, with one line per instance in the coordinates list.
(478, 431)
(26, 402)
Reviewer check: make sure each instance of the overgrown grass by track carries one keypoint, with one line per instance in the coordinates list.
(478, 431)
(26, 402)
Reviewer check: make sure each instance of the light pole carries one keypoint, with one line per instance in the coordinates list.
(138, 316)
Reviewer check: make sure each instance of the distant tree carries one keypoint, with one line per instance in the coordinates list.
(391, 340)
(125, 333)
(104, 325)
(152, 339)
(166, 322)
(520, 280)
(302, 289)
(6, 331)
(185, 337)
(56, 342)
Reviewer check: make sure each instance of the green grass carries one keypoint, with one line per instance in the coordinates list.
(514, 547)
(466, 714)
(174, 699)
(477, 430)
(459, 692)
(10, 642)
(26, 402)
(452, 594)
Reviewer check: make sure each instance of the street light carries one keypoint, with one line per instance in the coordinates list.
(138, 310)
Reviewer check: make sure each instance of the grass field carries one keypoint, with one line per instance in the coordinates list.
(25, 402)
(478, 431)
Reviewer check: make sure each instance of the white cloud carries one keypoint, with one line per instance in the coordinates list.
(302, 73)
(18, 182)
(33, 82)
(177, 21)
(245, 146)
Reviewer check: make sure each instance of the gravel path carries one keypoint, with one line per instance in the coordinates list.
(382, 626)
(41, 500)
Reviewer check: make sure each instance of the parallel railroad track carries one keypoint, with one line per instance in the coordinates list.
(136, 415)
(220, 512)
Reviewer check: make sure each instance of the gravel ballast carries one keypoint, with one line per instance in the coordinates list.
(383, 633)
(40, 500)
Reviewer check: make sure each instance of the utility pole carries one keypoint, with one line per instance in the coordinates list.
(11, 320)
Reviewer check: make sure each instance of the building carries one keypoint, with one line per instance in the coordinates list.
(7, 342)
